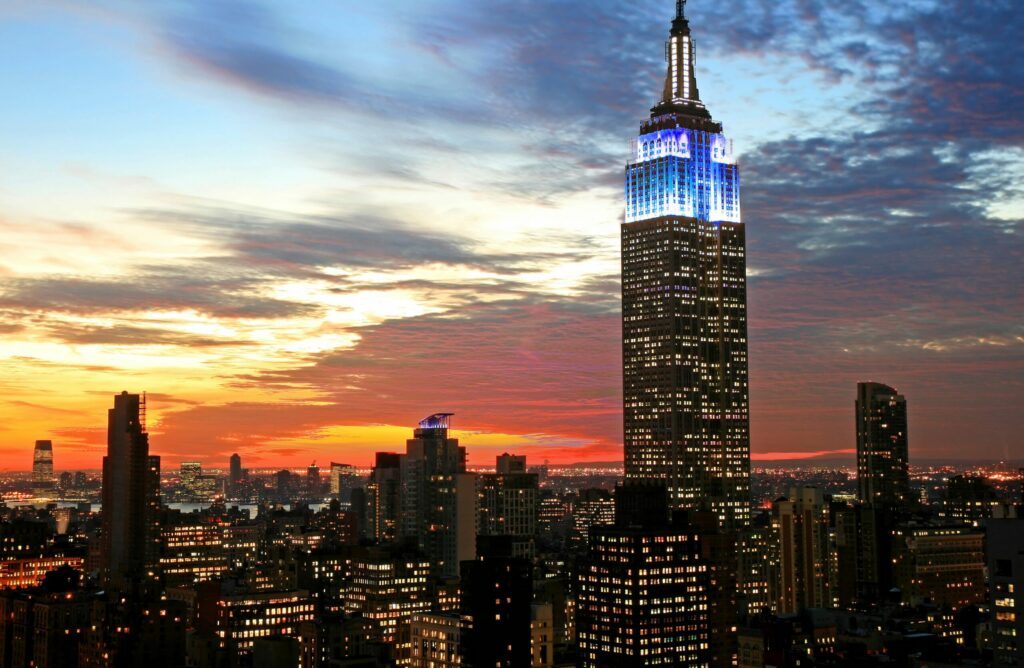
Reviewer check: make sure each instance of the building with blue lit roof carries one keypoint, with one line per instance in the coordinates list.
(684, 306)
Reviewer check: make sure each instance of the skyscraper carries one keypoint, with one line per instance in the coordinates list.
(42, 466)
(1005, 556)
(313, 490)
(438, 501)
(388, 584)
(496, 594)
(883, 477)
(382, 497)
(343, 479)
(643, 590)
(234, 473)
(509, 503)
(801, 524)
(131, 496)
(864, 553)
(684, 322)
(189, 474)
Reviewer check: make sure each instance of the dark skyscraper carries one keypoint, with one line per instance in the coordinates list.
(497, 590)
(234, 473)
(438, 501)
(801, 523)
(1005, 557)
(382, 497)
(313, 481)
(684, 313)
(42, 466)
(883, 477)
(509, 502)
(131, 496)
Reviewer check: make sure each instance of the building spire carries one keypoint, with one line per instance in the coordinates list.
(681, 93)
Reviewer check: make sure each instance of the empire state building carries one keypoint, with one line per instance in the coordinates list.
(684, 304)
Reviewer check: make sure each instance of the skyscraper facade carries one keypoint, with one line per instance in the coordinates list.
(42, 465)
(643, 589)
(131, 497)
(883, 477)
(189, 474)
(684, 321)
(343, 479)
(438, 498)
(235, 473)
(496, 595)
(509, 504)
(801, 525)
(382, 497)
(1005, 557)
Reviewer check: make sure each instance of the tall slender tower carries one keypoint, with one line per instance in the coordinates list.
(234, 473)
(883, 476)
(684, 305)
(131, 497)
(42, 466)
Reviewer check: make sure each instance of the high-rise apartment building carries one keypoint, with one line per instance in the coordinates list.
(642, 593)
(757, 561)
(1005, 548)
(234, 473)
(944, 566)
(387, 585)
(343, 479)
(509, 504)
(542, 635)
(864, 555)
(684, 306)
(191, 550)
(194, 485)
(285, 485)
(437, 497)
(238, 616)
(189, 474)
(719, 550)
(593, 507)
(801, 525)
(42, 466)
(313, 490)
(382, 497)
(506, 464)
(496, 596)
(883, 477)
(434, 640)
(42, 627)
(968, 500)
(130, 536)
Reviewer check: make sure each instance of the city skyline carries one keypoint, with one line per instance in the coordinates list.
(686, 401)
(296, 290)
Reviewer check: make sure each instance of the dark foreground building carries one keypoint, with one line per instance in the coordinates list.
(1006, 589)
(130, 537)
(497, 593)
(883, 475)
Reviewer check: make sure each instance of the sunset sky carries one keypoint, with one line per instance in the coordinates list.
(303, 226)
